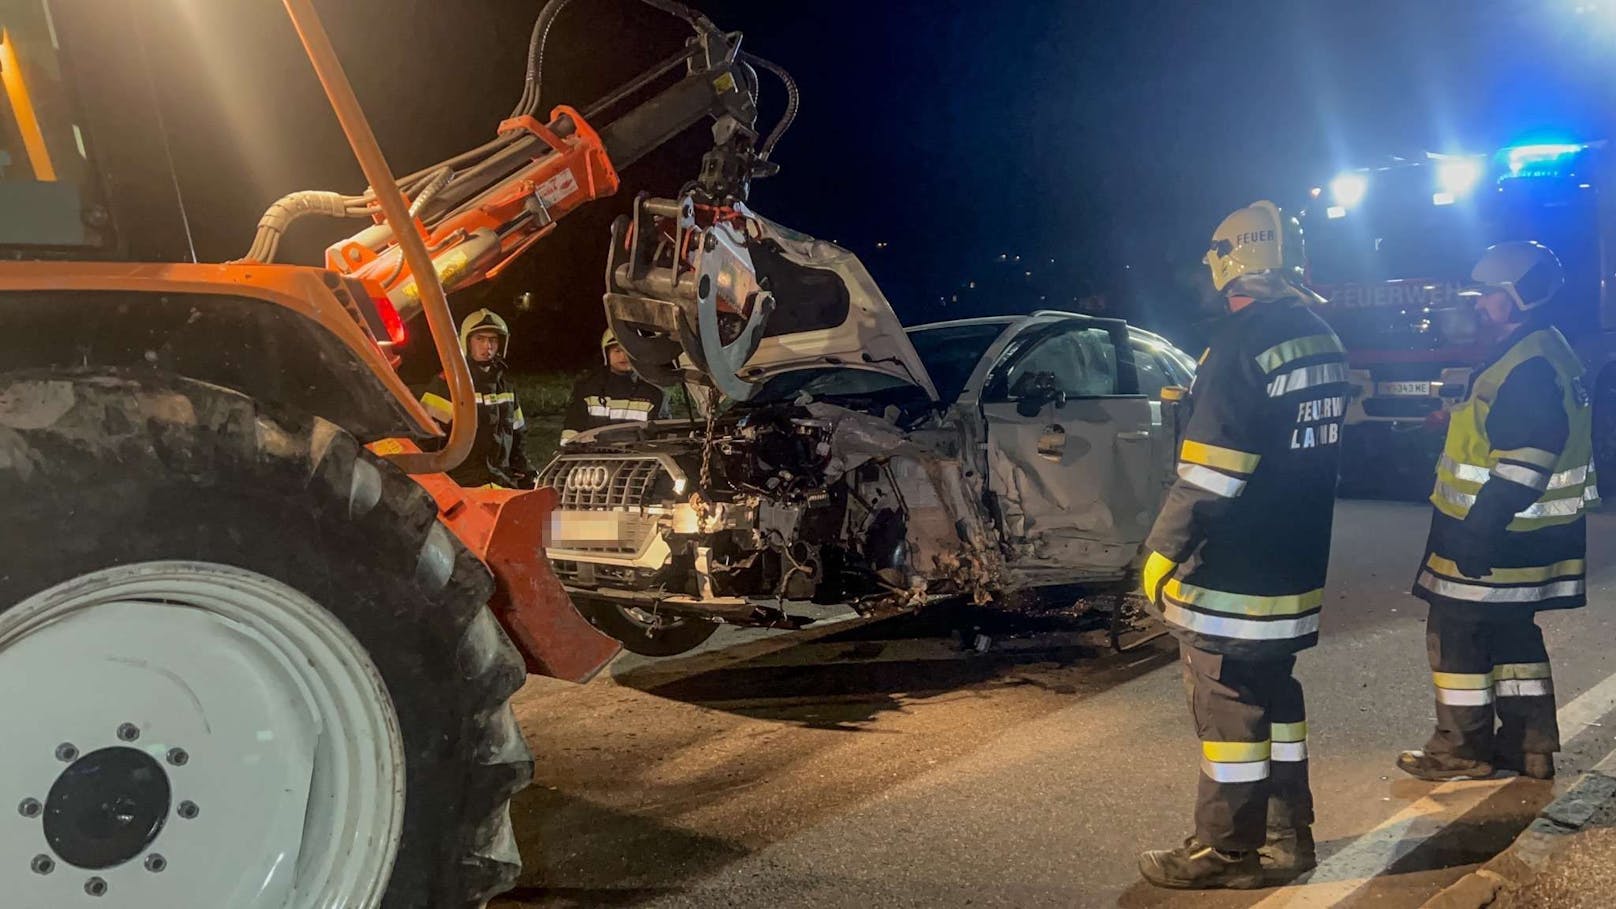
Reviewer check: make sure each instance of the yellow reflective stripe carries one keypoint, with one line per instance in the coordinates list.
(1244, 604)
(1201, 453)
(1536, 456)
(1295, 349)
(1288, 732)
(1462, 681)
(1234, 752)
(1568, 568)
(1522, 671)
(628, 404)
(440, 407)
(501, 397)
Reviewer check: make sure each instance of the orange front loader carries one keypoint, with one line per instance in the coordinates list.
(258, 648)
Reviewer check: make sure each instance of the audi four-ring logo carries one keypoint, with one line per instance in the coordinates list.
(588, 478)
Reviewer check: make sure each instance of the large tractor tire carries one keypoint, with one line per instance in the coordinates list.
(244, 664)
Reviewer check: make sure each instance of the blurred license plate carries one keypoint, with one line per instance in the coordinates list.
(1404, 389)
(584, 527)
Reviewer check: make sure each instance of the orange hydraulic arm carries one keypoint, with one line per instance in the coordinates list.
(477, 212)
(478, 240)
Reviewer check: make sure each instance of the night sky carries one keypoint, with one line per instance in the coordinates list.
(1099, 142)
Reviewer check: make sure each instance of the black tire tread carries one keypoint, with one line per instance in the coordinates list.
(181, 428)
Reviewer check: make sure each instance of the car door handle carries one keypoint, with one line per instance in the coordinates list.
(1137, 436)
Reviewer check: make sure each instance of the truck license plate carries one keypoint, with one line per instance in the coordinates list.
(1405, 389)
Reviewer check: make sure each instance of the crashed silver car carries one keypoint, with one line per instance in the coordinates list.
(856, 462)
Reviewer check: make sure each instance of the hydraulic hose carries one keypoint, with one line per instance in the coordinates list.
(533, 83)
(793, 101)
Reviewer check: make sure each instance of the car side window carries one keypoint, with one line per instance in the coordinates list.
(1082, 362)
(1154, 371)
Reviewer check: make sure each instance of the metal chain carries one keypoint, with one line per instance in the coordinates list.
(707, 450)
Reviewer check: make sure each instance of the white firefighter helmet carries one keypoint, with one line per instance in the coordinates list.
(1258, 241)
(608, 340)
(1527, 270)
(484, 320)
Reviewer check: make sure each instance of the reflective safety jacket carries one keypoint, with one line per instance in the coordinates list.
(1248, 521)
(498, 455)
(1515, 478)
(603, 397)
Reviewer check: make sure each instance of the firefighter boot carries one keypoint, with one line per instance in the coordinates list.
(1288, 854)
(1195, 866)
(1441, 768)
(1532, 764)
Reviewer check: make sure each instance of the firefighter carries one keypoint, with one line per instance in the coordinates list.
(611, 393)
(1237, 557)
(498, 457)
(1508, 536)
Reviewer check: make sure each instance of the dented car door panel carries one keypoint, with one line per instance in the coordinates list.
(1073, 453)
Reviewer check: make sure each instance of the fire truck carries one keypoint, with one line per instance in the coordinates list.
(1391, 248)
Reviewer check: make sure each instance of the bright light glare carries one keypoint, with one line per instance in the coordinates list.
(1523, 156)
(1457, 176)
(1442, 198)
(1335, 211)
(1348, 189)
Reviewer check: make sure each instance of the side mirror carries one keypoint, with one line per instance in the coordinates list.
(1034, 390)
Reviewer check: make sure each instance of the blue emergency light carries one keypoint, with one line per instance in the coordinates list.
(1546, 160)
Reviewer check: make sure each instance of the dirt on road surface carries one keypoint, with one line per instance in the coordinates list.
(891, 764)
(639, 773)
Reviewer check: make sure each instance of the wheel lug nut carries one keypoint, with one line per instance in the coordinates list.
(155, 863)
(178, 757)
(29, 808)
(43, 864)
(188, 810)
(128, 732)
(66, 752)
(95, 887)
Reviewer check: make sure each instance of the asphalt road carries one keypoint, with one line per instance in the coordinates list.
(882, 764)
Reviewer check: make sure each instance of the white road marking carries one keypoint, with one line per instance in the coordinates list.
(1339, 876)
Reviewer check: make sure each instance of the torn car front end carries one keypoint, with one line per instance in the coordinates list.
(782, 504)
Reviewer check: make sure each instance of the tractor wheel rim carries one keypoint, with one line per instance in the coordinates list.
(186, 733)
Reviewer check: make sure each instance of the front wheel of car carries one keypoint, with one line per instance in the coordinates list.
(643, 632)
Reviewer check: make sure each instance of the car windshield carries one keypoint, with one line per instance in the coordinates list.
(950, 353)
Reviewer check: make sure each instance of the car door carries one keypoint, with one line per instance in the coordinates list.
(1070, 440)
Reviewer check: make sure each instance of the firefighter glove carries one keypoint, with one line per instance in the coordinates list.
(1158, 568)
